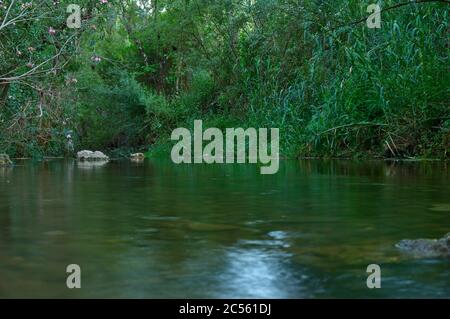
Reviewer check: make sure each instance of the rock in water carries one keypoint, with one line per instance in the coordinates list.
(91, 156)
(137, 157)
(4, 160)
(426, 247)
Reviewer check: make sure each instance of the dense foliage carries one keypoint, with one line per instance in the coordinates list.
(138, 68)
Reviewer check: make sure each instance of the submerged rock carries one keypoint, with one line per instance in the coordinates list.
(91, 156)
(426, 247)
(5, 160)
(55, 233)
(440, 208)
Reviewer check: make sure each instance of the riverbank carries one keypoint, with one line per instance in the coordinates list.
(163, 151)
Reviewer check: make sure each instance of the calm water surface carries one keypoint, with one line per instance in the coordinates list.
(221, 231)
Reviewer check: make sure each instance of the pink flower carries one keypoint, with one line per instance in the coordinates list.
(51, 31)
(30, 65)
(25, 5)
(103, 1)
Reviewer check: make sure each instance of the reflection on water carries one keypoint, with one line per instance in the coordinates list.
(257, 273)
(155, 229)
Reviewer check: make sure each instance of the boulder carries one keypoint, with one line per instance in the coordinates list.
(426, 247)
(137, 157)
(4, 160)
(91, 156)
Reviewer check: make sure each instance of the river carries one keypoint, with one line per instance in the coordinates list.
(160, 230)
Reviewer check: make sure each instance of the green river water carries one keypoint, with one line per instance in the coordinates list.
(160, 230)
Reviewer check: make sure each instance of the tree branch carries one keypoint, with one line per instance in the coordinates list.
(34, 69)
